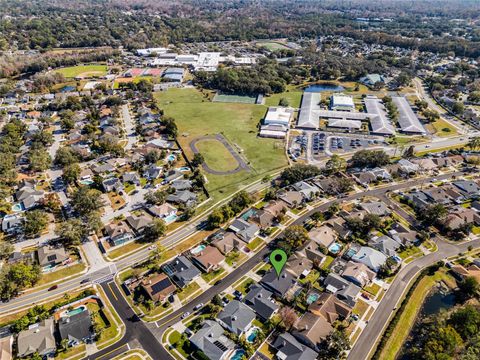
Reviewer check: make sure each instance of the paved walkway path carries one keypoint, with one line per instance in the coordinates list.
(242, 165)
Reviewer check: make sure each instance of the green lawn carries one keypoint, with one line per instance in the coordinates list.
(235, 257)
(83, 70)
(244, 285)
(72, 352)
(255, 243)
(293, 97)
(213, 275)
(61, 274)
(327, 262)
(196, 116)
(410, 251)
(216, 155)
(188, 290)
(272, 45)
(373, 289)
(122, 250)
(410, 311)
(360, 308)
(442, 128)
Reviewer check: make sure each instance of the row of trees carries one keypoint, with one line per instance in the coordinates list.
(221, 215)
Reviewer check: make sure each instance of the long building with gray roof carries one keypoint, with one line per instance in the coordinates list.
(407, 120)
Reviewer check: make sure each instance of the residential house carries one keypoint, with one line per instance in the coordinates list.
(181, 184)
(244, 230)
(358, 273)
(38, 338)
(293, 199)
(86, 174)
(28, 196)
(342, 288)
(119, 233)
(376, 208)
(181, 271)
(236, 317)
(211, 341)
(228, 242)
(418, 198)
(260, 300)
(468, 188)
(103, 169)
(311, 329)
(182, 197)
(6, 343)
(152, 172)
(299, 266)
(330, 308)
(454, 193)
(76, 328)
(131, 177)
(385, 244)
(112, 184)
(324, 236)
(162, 211)
(308, 191)
(138, 223)
(266, 217)
(208, 259)
(158, 287)
(278, 285)
(462, 272)
(425, 165)
(312, 252)
(438, 195)
(460, 216)
(12, 223)
(172, 176)
(288, 348)
(51, 256)
(370, 257)
(407, 167)
(339, 225)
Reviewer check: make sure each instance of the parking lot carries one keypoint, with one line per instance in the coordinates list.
(324, 143)
(298, 147)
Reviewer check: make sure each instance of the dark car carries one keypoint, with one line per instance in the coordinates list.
(84, 281)
(53, 287)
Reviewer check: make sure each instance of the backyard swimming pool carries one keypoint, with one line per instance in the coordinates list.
(72, 312)
(86, 182)
(184, 169)
(170, 218)
(248, 214)
(251, 334)
(17, 207)
(335, 248)
(198, 249)
(171, 157)
(311, 298)
(237, 355)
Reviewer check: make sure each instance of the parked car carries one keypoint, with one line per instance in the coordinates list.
(198, 307)
(185, 315)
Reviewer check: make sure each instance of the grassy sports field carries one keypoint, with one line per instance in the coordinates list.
(234, 99)
(216, 155)
(83, 71)
(272, 45)
(197, 116)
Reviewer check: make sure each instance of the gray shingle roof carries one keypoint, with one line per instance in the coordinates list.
(236, 317)
(211, 341)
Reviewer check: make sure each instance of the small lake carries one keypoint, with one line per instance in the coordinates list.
(440, 298)
(323, 87)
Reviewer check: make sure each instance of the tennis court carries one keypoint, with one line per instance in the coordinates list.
(234, 99)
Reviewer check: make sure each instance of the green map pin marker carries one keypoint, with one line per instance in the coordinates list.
(278, 258)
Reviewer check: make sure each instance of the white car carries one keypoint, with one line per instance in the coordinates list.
(197, 307)
(185, 315)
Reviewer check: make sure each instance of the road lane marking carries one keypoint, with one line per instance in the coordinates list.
(111, 351)
(168, 320)
(111, 290)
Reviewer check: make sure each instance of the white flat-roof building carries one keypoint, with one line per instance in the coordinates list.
(150, 51)
(273, 131)
(380, 123)
(278, 116)
(308, 117)
(407, 120)
(342, 102)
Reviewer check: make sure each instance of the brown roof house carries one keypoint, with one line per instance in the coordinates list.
(311, 329)
(158, 287)
(138, 223)
(463, 272)
(228, 242)
(292, 198)
(266, 216)
(324, 236)
(210, 258)
(299, 266)
(461, 216)
(6, 347)
(330, 307)
(119, 233)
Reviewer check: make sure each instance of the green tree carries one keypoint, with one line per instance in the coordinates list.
(154, 230)
(295, 236)
(468, 288)
(198, 159)
(458, 108)
(432, 214)
(335, 164)
(71, 173)
(35, 222)
(65, 156)
(39, 160)
(86, 200)
(6, 249)
(71, 231)
(284, 102)
(215, 219)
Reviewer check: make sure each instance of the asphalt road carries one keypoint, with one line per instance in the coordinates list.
(136, 330)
